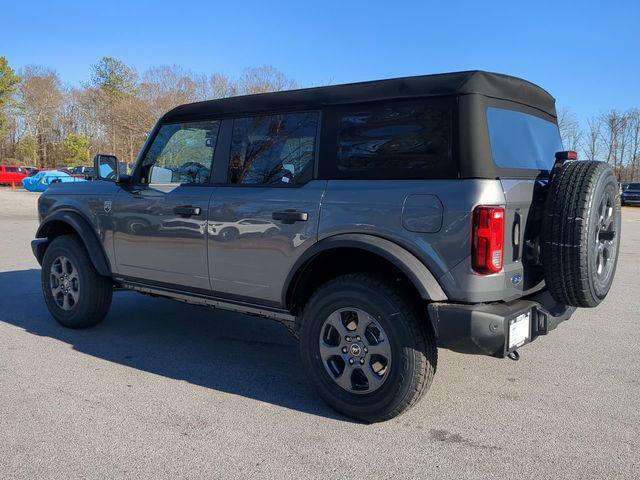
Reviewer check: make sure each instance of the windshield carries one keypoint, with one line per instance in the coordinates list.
(523, 141)
(631, 186)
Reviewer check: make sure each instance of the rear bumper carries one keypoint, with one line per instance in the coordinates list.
(483, 329)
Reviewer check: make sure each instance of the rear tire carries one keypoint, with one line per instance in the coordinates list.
(401, 346)
(581, 233)
(75, 294)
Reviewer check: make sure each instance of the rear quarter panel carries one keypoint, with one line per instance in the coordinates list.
(381, 208)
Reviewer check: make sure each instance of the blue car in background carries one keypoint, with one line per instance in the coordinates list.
(41, 181)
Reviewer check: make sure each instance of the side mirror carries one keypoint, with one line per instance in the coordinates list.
(124, 179)
(106, 167)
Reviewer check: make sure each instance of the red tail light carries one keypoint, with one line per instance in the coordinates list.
(488, 239)
(567, 155)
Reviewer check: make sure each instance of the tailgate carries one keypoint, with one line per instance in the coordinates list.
(522, 261)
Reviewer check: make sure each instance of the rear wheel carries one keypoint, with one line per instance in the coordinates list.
(75, 294)
(366, 349)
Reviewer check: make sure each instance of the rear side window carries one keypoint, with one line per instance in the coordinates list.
(395, 140)
(522, 141)
(273, 149)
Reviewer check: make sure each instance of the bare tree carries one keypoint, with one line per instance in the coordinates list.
(634, 143)
(622, 150)
(132, 122)
(264, 79)
(611, 122)
(570, 131)
(89, 117)
(593, 140)
(166, 87)
(220, 86)
(40, 97)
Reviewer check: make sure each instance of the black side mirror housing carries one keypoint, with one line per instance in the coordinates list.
(106, 167)
(124, 179)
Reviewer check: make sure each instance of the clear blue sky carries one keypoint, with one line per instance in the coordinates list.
(587, 54)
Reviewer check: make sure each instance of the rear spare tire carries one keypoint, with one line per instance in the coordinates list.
(581, 233)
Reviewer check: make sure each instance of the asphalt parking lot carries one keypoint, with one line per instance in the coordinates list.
(165, 390)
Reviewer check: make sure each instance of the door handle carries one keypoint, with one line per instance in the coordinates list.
(290, 216)
(186, 210)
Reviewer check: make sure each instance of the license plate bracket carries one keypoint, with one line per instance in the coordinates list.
(519, 330)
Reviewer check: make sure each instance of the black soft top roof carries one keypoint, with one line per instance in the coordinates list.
(459, 83)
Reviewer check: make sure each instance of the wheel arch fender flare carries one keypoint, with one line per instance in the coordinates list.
(83, 229)
(416, 271)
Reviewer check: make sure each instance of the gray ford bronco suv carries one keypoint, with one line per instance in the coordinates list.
(377, 221)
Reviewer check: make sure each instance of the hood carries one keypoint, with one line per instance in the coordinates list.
(80, 187)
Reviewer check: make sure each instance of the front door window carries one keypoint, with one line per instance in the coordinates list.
(181, 153)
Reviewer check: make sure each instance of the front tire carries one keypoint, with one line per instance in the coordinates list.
(365, 347)
(75, 294)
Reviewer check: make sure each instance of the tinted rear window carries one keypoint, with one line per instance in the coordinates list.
(523, 141)
(395, 140)
(273, 149)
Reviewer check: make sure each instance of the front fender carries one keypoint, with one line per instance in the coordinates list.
(83, 229)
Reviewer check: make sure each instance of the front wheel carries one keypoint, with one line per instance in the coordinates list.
(367, 350)
(75, 294)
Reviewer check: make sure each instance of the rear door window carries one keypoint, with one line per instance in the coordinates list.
(410, 139)
(522, 141)
(273, 149)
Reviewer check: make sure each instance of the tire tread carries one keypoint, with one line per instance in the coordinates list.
(565, 232)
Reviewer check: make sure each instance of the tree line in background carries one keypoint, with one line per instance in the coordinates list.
(46, 124)
(612, 137)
